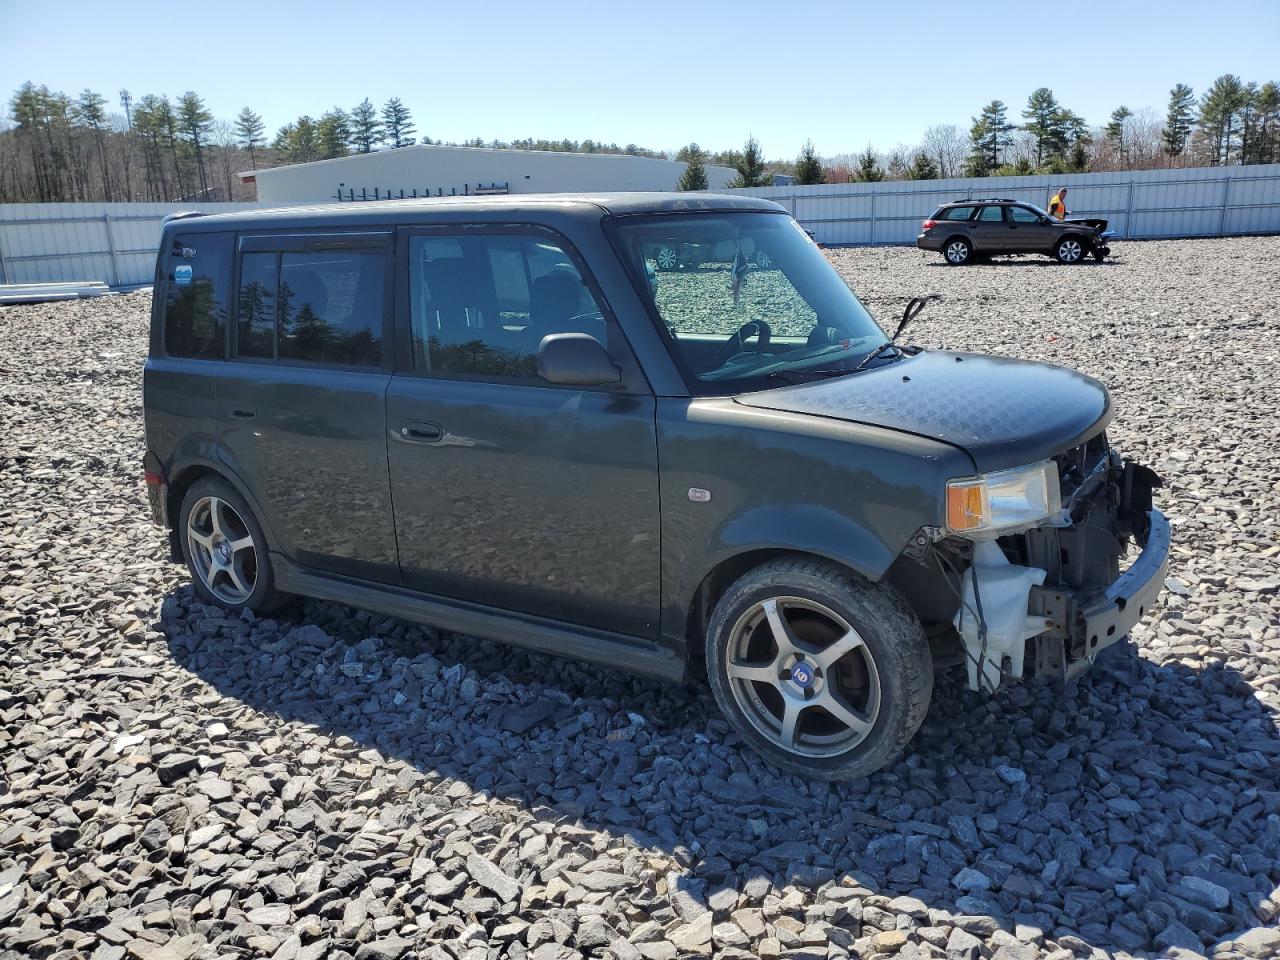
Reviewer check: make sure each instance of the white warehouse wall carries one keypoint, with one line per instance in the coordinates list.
(439, 169)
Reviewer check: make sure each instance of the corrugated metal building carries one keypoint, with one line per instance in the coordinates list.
(1192, 202)
(424, 169)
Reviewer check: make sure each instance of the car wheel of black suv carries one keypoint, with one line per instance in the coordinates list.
(225, 550)
(824, 674)
(1070, 250)
(958, 251)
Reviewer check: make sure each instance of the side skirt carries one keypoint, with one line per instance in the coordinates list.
(546, 636)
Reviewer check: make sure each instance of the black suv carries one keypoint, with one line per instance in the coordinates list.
(966, 230)
(498, 416)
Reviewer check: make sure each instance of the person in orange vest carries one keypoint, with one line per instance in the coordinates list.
(1058, 205)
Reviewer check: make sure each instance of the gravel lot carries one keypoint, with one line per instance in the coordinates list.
(333, 784)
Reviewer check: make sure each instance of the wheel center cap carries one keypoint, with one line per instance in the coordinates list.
(802, 674)
(224, 552)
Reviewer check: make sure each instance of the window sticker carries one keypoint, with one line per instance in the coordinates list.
(182, 275)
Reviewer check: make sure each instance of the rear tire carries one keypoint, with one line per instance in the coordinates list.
(225, 549)
(958, 251)
(1070, 250)
(824, 674)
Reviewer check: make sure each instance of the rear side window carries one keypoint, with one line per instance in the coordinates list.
(956, 213)
(197, 294)
(314, 307)
(990, 215)
(481, 305)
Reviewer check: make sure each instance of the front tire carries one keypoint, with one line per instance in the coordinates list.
(958, 251)
(824, 674)
(1070, 250)
(225, 549)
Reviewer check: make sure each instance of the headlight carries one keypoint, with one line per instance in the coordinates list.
(995, 503)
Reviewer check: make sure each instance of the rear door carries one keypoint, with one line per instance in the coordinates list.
(302, 400)
(509, 491)
(990, 234)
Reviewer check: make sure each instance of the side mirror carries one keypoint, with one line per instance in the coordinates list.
(576, 360)
(1042, 219)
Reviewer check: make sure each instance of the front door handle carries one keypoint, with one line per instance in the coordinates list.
(421, 431)
(243, 414)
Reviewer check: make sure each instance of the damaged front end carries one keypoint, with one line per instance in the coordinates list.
(1051, 590)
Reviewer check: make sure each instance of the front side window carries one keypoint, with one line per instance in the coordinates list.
(313, 307)
(197, 294)
(481, 304)
(746, 297)
(1023, 215)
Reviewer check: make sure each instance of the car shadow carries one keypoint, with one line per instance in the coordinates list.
(1018, 261)
(1078, 811)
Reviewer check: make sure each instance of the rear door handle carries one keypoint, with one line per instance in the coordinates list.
(243, 414)
(421, 431)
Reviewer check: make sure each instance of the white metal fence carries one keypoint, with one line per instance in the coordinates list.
(1147, 204)
(112, 242)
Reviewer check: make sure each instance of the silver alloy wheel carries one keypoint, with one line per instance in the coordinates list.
(1069, 251)
(222, 551)
(957, 252)
(803, 676)
(667, 258)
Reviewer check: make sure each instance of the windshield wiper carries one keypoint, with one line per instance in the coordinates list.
(799, 376)
(914, 307)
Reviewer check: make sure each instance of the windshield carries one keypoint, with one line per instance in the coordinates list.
(745, 297)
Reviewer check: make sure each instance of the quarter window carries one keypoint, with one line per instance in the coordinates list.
(957, 213)
(314, 307)
(481, 305)
(198, 275)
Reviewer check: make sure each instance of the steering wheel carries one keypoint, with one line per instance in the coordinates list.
(758, 327)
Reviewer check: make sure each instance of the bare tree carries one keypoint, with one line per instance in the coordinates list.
(947, 146)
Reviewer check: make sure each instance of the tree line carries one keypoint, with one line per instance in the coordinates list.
(58, 147)
(1233, 122)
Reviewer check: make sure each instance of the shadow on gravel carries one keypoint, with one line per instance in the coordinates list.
(1016, 261)
(1138, 810)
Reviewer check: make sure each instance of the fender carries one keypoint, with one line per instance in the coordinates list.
(197, 455)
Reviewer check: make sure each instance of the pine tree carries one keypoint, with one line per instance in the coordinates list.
(397, 123)
(922, 167)
(988, 136)
(148, 123)
(297, 142)
(1115, 132)
(869, 166)
(1044, 116)
(91, 111)
(750, 167)
(695, 171)
(249, 133)
(1180, 120)
(333, 134)
(195, 120)
(808, 166)
(1219, 117)
(366, 129)
(1265, 145)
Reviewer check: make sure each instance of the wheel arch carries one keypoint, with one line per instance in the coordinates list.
(973, 250)
(728, 570)
(185, 477)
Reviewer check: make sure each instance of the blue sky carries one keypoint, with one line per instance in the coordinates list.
(655, 73)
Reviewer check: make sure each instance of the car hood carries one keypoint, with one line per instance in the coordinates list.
(1003, 412)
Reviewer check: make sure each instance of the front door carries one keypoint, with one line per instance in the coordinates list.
(509, 491)
(1028, 231)
(302, 402)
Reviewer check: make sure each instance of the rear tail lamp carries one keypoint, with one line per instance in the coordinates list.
(928, 225)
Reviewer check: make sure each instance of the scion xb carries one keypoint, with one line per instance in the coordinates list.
(506, 417)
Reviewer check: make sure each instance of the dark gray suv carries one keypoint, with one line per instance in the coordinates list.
(500, 416)
(967, 230)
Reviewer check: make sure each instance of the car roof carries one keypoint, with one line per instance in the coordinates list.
(588, 205)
